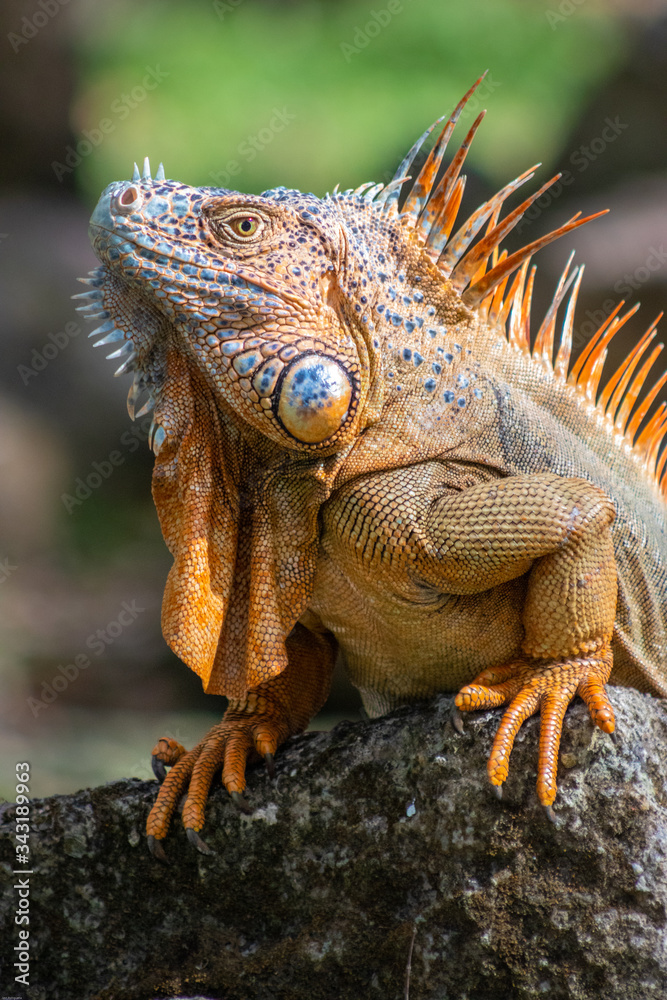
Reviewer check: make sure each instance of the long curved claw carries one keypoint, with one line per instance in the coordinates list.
(550, 814)
(159, 770)
(157, 850)
(457, 720)
(530, 685)
(270, 764)
(197, 842)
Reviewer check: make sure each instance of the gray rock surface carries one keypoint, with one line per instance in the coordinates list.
(369, 835)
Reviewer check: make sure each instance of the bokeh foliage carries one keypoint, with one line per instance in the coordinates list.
(229, 64)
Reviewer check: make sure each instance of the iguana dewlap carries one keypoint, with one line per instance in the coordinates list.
(357, 449)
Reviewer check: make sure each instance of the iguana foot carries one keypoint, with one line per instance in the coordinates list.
(228, 745)
(548, 685)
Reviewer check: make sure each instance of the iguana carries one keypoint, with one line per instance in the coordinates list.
(357, 449)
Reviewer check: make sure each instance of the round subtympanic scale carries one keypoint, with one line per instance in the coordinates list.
(314, 399)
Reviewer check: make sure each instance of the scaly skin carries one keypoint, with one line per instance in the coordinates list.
(355, 450)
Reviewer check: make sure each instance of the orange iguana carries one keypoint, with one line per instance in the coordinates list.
(356, 448)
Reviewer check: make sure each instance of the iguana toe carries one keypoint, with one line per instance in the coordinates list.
(166, 753)
(227, 747)
(527, 686)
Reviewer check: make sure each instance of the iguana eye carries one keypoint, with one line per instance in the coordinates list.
(244, 225)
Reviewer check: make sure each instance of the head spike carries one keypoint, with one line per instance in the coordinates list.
(516, 333)
(136, 176)
(160, 173)
(563, 357)
(371, 193)
(444, 224)
(473, 296)
(508, 301)
(126, 349)
(95, 280)
(434, 206)
(407, 161)
(421, 188)
(651, 441)
(469, 264)
(127, 366)
(481, 271)
(645, 406)
(363, 188)
(498, 293)
(544, 341)
(457, 246)
(661, 464)
(111, 338)
(588, 375)
(590, 346)
(146, 175)
(635, 388)
(385, 198)
(626, 370)
(612, 383)
(146, 408)
(656, 461)
(103, 329)
(644, 442)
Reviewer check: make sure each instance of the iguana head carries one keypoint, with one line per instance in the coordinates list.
(250, 290)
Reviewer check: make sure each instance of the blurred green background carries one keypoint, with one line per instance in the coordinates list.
(248, 94)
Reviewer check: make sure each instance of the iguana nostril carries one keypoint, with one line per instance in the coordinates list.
(130, 198)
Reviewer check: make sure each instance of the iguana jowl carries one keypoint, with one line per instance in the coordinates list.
(356, 448)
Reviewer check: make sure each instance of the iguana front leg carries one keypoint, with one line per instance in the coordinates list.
(559, 530)
(250, 729)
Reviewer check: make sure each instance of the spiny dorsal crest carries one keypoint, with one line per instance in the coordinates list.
(480, 273)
